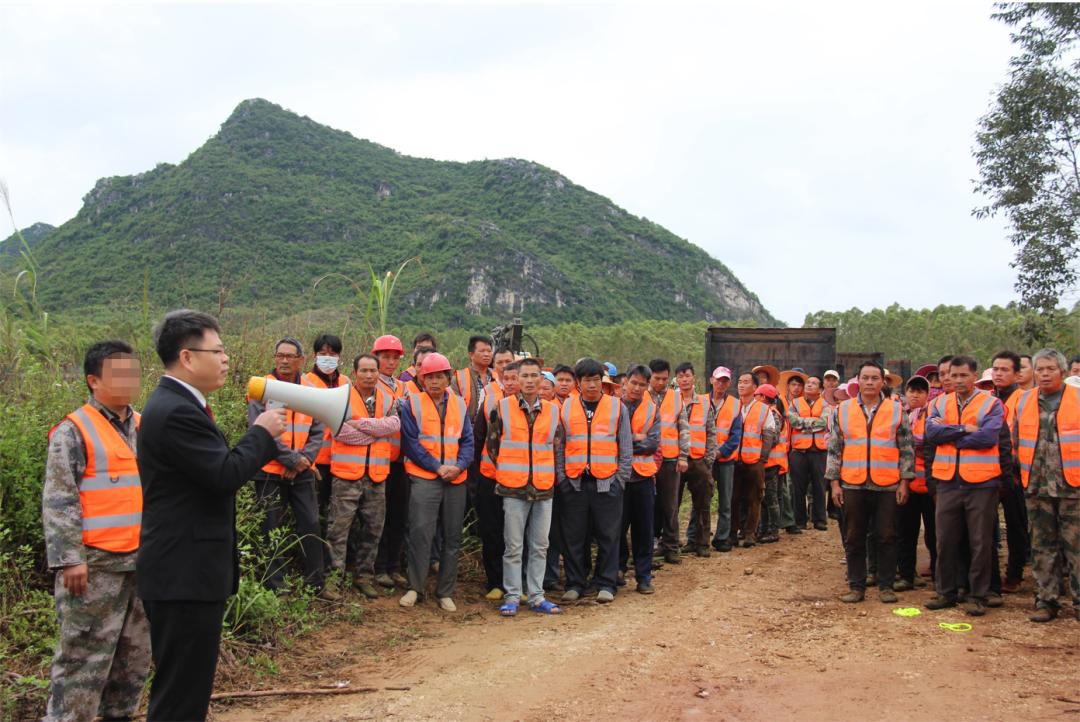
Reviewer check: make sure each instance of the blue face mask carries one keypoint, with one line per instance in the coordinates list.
(327, 364)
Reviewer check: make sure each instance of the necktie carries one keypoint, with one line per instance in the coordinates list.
(209, 412)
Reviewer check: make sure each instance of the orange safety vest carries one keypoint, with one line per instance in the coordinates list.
(918, 484)
(493, 394)
(297, 428)
(802, 440)
(753, 424)
(110, 491)
(778, 455)
(438, 436)
(870, 454)
(976, 465)
(695, 419)
(524, 455)
(315, 381)
(464, 379)
(592, 445)
(726, 413)
(351, 462)
(1010, 406)
(670, 411)
(1068, 428)
(397, 391)
(643, 419)
(412, 388)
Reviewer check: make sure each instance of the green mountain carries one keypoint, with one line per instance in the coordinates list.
(32, 234)
(274, 200)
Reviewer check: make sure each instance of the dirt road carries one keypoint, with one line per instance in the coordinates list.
(750, 635)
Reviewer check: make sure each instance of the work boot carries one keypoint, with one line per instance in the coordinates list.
(855, 595)
(366, 588)
(793, 530)
(994, 600)
(1043, 615)
(887, 596)
(384, 580)
(974, 607)
(919, 583)
(770, 539)
(645, 587)
(1010, 586)
(329, 594)
(748, 542)
(672, 557)
(688, 548)
(723, 546)
(902, 585)
(702, 551)
(871, 580)
(939, 602)
(821, 526)
(399, 579)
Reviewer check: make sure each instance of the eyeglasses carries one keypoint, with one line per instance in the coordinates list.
(215, 351)
(286, 357)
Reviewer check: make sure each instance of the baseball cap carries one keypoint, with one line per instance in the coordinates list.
(721, 372)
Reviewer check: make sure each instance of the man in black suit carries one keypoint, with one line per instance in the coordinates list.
(188, 563)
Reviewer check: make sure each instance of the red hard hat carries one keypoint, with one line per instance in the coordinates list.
(433, 363)
(388, 343)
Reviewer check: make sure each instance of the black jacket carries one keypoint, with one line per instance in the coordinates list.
(187, 551)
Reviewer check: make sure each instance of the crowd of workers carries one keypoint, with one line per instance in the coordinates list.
(576, 475)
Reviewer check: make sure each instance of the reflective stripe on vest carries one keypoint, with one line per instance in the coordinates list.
(438, 436)
(297, 427)
(778, 455)
(1067, 420)
(695, 419)
(918, 484)
(726, 413)
(753, 424)
(670, 411)
(493, 394)
(397, 391)
(643, 419)
(803, 440)
(525, 455)
(110, 491)
(592, 445)
(975, 465)
(870, 454)
(352, 462)
(315, 381)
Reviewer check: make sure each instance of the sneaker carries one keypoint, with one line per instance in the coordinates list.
(329, 594)
(939, 602)
(919, 582)
(555, 586)
(1010, 586)
(447, 604)
(605, 597)
(974, 607)
(887, 596)
(384, 580)
(399, 579)
(855, 595)
(571, 595)
(366, 588)
(724, 546)
(494, 594)
(408, 599)
(645, 587)
(703, 551)
(672, 557)
(994, 600)
(770, 539)
(688, 548)
(1043, 615)
(793, 530)
(871, 580)
(902, 585)
(821, 526)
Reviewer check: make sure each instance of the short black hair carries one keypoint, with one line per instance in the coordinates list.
(618, 378)
(292, 342)
(356, 361)
(501, 350)
(512, 366)
(1074, 360)
(94, 361)
(871, 362)
(562, 369)
(752, 375)
(473, 340)
(327, 339)
(684, 366)
(1026, 356)
(658, 364)
(527, 362)
(423, 349)
(639, 370)
(1011, 356)
(588, 367)
(425, 338)
(968, 361)
(946, 359)
(918, 381)
(178, 329)
(820, 380)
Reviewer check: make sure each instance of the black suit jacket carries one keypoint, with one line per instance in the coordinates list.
(190, 477)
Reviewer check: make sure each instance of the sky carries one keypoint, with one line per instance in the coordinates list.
(822, 151)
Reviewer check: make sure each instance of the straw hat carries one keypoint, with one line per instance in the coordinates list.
(788, 375)
(771, 372)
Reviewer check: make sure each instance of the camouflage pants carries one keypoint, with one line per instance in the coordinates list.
(103, 655)
(1055, 539)
(364, 501)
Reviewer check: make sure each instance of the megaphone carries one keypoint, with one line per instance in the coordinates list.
(330, 406)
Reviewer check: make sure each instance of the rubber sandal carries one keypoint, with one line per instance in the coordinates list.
(546, 607)
(509, 609)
